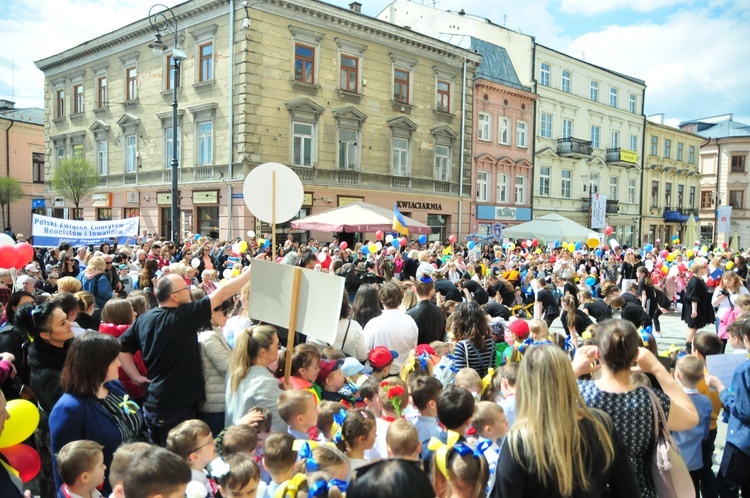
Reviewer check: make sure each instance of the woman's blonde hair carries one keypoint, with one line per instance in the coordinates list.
(85, 300)
(547, 422)
(247, 346)
(569, 304)
(735, 278)
(69, 284)
(97, 263)
(409, 299)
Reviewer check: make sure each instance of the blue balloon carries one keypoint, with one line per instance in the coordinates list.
(590, 281)
(423, 239)
(599, 253)
(578, 246)
(395, 243)
(557, 244)
(648, 247)
(471, 245)
(197, 236)
(365, 250)
(267, 243)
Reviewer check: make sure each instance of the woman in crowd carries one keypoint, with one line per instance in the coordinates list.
(95, 281)
(545, 305)
(48, 326)
(366, 305)
(475, 347)
(215, 357)
(95, 406)
(69, 284)
(619, 347)
(574, 321)
(697, 310)
(69, 266)
(647, 296)
(558, 447)
(349, 336)
(240, 317)
(729, 289)
(88, 316)
(12, 338)
(250, 382)
(70, 305)
(147, 280)
(627, 271)
(206, 259)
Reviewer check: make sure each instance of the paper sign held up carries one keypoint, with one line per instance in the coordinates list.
(723, 366)
(319, 299)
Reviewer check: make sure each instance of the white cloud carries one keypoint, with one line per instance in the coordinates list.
(595, 7)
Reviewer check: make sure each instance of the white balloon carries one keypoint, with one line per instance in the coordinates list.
(195, 263)
(378, 245)
(250, 234)
(6, 240)
(388, 239)
(227, 273)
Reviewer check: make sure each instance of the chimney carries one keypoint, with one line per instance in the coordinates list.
(355, 6)
(6, 105)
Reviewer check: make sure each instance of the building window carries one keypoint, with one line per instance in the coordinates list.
(654, 194)
(483, 194)
(594, 91)
(738, 164)
(443, 96)
(631, 103)
(60, 104)
(400, 156)
(545, 130)
(206, 68)
(544, 181)
(633, 142)
(205, 143)
(168, 146)
(680, 147)
(503, 132)
(348, 150)
(736, 198)
(37, 167)
(78, 151)
(680, 195)
(77, 98)
(349, 73)
(614, 139)
(565, 185)
(521, 134)
(302, 144)
(631, 191)
(304, 63)
(520, 190)
(565, 83)
(667, 148)
(595, 132)
(442, 163)
(131, 87)
(401, 85)
(544, 75)
(101, 157)
(567, 128)
(691, 154)
(131, 213)
(668, 195)
(101, 92)
(59, 155)
(484, 130)
(173, 78)
(131, 153)
(104, 214)
(706, 199)
(613, 97)
(613, 188)
(691, 199)
(502, 187)
(654, 145)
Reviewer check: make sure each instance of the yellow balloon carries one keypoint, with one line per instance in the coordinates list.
(243, 246)
(373, 248)
(729, 265)
(235, 272)
(689, 253)
(664, 269)
(261, 241)
(511, 246)
(670, 257)
(704, 248)
(24, 417)
(676, 241)
(538, 251)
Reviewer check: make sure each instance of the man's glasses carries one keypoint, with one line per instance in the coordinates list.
(179, 290)
(210, 441)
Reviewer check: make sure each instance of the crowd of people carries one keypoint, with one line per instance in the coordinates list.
(444, 379)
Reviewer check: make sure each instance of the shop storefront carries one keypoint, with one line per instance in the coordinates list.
(487, 216)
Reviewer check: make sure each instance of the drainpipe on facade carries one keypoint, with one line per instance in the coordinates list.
(716, 193)
(230, 146)
(533, 133)
(638, 241)
(7, 163)
(463, 149)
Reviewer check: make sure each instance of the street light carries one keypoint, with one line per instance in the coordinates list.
(163, 24)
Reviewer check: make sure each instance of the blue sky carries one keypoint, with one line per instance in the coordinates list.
(692, 54)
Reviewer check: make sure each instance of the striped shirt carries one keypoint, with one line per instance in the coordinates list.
(129, 422)
(467, 355)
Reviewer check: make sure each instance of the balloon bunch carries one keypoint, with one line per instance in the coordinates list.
(23, 459)
(14, 255)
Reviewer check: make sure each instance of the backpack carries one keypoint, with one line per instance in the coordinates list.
(662, 299)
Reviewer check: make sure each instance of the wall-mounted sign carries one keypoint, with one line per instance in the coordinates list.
(628, 156)
(427, 206)
(210, 197)
(505, 213)
(164, 199)
(132, 198)
(307, 199)
(345, 201)
(101, 200)
(59, 201)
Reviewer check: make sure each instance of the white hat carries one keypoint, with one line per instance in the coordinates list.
(32, 267)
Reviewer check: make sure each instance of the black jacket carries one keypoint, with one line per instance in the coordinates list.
(46, 362)
(430, 321)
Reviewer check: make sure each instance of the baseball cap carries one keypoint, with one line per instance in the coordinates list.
(380, 356)
(326, 367)
(425, 348)
(352, 366)
(32, 267)
(519, 328)
(122, 267)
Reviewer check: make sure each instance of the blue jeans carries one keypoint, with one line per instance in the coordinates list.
(214, 420)
(160, 421)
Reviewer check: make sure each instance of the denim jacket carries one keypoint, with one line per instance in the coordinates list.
(737, 404)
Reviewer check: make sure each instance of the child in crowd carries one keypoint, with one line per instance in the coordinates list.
(688, 373)
(508, 382)
(357, 436)
(121, 460)
(238, 438)
(424, 395)
(324, 458)
(156, 473)
(279, 458)
(192, 441)
(327, 412)
(491, 427)
(441, 348)
(492, 387)
(402, 441)
(539, 331)
(298, 409)
(331, 380)
(455, 407)
(515, 334)
(459, 471)
(81, 468)
(368, 393)
(238, 476)
(706, 344)
(392, 398)
(469, 379)
(305, 368)
(380, 359)
(735, 337)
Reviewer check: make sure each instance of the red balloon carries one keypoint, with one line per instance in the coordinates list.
(24, 459)
(724, 245)
(8, 257)
(605, 247)
(608, 230)
(379, 235)
(535, 242)
(452, 239)
(711, 282)
(681, 267)
(402, 241)
(343, 246)
(25, 253)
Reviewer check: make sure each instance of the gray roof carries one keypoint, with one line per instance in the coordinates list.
(724, 128)
(496, 64)
(30, 115)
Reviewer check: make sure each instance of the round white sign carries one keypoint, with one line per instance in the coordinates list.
(258, 193)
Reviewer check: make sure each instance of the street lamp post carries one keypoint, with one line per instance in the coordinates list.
(163, 24)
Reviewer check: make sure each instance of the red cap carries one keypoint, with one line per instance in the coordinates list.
(326, 367)
(519, 328)
(425, 348)
(381, 356)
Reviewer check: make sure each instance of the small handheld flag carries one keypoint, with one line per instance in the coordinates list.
(399, 224)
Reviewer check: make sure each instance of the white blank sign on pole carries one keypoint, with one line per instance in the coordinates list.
(319, 304)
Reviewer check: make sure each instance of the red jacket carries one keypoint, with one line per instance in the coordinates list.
(136, 392)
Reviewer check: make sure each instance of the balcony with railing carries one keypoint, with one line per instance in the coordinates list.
(620, 156)
(613, 206)
(574, 147)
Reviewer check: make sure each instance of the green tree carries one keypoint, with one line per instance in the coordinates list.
(10, 191)
(74, 178)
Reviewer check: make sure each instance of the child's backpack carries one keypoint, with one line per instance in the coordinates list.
(445, 370)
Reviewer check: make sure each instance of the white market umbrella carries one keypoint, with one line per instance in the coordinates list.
(549, 228)
(357, 217)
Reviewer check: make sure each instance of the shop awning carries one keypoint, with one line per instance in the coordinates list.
(357, 217)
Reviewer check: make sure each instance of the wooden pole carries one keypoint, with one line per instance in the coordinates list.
(273, 217)
(292, 324)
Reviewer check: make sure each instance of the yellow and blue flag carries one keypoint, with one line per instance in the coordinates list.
(399, 224)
